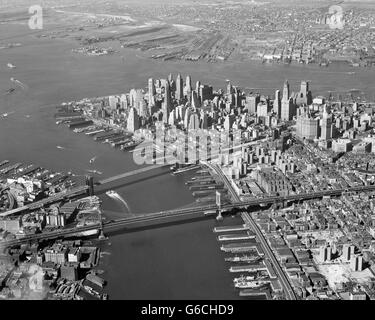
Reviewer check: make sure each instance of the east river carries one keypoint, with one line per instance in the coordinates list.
(179, 261)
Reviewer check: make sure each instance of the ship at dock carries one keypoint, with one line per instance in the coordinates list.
(250, 284)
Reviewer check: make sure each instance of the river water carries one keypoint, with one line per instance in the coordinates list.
(179, 261)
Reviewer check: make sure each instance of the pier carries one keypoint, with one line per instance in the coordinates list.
(231, 237)
(231, 228)
(248, 268)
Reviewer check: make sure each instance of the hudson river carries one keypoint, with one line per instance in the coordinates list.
(180, 261)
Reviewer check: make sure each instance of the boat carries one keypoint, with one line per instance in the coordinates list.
(249, 284)
(252, 277)
(11, 66)
(92, 159)
(243, 258)
(244, 278)
(113, 194)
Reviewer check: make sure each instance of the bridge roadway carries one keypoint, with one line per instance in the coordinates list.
(107, 226)
(55, 198)
(160, 216)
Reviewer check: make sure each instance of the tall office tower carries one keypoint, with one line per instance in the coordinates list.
(277, 103)
(203, 120)
(133, 120)
(195, 102)
(304, 96)
(197, 88)
(194, 121)
(167, 103)
(326, 125)
(286, 93)
(237, 97)
(205, 93)
(188, 112)
(172, 117)
(229, 88)
(188, 87)
(251, 103)
(124, 101)
(143, 110)
(288, 109)
(170, 78)
(172, 83)
(179, 88)
(228, 122)
(151, 88)
(307, 127)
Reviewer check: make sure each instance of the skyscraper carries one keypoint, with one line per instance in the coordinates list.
(286, 93)
(288, 109)
(304, 96)
(205, 93)
(229, 88)
(133, 120)
(277, 103)
(151, 90)
(179, 88)
(251, 103)
(326, 125)
(197, 88)
(188, 87)
(167, 103)
(195, 102)
(194, 121)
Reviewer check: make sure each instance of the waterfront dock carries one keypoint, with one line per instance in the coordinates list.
(248, 268)
(231, 228)
(255, 293)
(243, 247)
(236, 236)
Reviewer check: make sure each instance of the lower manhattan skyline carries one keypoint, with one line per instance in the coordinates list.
(187, 151)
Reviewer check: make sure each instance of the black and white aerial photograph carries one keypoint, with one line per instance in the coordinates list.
(212, 152)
